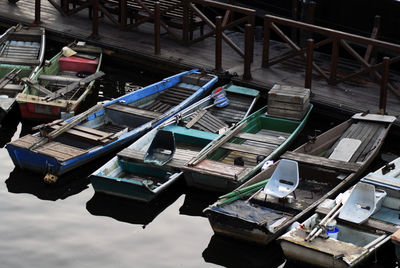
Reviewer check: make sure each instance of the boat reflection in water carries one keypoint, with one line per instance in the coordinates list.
(196, 201)
(21, 181)
(233, 253)
(130, 210)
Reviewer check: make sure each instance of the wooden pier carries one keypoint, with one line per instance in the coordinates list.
(224, 44)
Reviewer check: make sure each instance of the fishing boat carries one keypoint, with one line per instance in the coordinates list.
(21, 54)
(62, 84)
(289, 189)
(153, 163)
(345, 231)
(63, 145)
(242, 150)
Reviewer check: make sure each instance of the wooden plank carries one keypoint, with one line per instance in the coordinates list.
(195, 118)
(134, 110)
(246, 148)
(14, 61)
(179, 159)
(261, 138)
(322, 162)
(396, 236)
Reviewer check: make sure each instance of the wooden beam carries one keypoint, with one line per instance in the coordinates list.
(322, 162)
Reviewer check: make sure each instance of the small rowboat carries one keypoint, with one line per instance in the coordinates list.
(153, 163)
(264, 207)
(63, 145)
(21, 54)
(237, 155)
(357, 223)
(62, 85)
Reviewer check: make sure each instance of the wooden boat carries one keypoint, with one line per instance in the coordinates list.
(21, 54)
(231, 160)
(135, 174)
(62, 84)
(63, 145)
(259, 212)
(357, 223)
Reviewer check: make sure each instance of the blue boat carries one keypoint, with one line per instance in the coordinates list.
(153, 163)
(63, 145)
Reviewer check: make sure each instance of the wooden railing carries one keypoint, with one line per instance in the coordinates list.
(172, 15)
(337, 39)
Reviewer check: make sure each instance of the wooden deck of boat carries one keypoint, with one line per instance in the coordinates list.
(350, 97)
(262, 143)
(181, 156)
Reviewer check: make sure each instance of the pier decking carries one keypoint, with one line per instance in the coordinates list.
(137, 44)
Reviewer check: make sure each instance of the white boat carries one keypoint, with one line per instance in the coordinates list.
(345, 231)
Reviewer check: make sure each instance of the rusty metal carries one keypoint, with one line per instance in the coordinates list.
(248, 51)
(384, 85)
(37, 12)
(309, 66)
(218, 43)
(157, 27)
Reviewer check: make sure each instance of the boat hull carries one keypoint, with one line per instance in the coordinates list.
(48, 160)
(220, 177)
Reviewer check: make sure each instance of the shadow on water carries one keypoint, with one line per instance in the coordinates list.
(132, 211)
(71, 183)
(196, 201)
(9, 126)
(231, 253)
(21, 181)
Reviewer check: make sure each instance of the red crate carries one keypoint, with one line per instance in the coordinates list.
(78, 64)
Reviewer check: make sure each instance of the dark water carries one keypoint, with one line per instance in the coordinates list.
(68, 225)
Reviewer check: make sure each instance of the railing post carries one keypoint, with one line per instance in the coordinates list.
(265, 53)
(95, 19)
(248, 51)
(123, 7)
(157, 28)
(334, 60)
(309, 66)
(218, 43)
(37, 12)
(252, 22)
(384, 84)
(186, 22)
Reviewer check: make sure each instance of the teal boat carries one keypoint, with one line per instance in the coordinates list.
(237, 155)
(21, 54)
(153, 163)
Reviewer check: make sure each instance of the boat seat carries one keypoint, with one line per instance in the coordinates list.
(345, 149)
(161, 149)
(284, 180)
(362, 203)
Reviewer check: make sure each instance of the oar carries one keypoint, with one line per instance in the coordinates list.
(340, 199)
(233, 196)
(75, 120)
